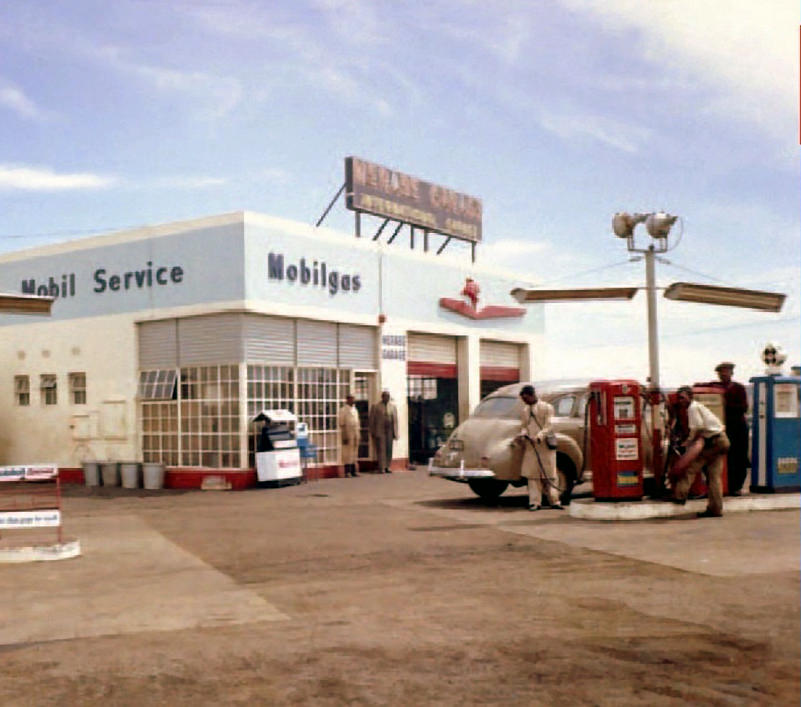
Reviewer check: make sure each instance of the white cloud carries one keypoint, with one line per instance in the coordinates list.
(512, 248)
(185, 182)
(27, 178)
(219, 95)
(13, 98)
(744, 53)
(608, 131)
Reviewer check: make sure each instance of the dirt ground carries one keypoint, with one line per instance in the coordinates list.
(399, 590)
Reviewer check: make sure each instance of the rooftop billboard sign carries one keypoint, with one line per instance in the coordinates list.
(377, 190)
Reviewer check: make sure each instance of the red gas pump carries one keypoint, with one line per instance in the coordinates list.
(615, 441)
(713, 397)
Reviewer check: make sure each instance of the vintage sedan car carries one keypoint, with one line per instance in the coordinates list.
(481, 453)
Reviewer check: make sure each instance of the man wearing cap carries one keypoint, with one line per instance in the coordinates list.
(383, 426)
(539, 462)
(736, 402)
(706, 443)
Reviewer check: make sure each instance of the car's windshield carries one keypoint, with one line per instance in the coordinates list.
(497, 406)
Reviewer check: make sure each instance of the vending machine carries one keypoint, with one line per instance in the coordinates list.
(277, 454)
(616, 454)
(776, 434)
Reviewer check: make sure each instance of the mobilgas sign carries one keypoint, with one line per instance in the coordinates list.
(64, 285)
(385, 192)
(312, 272)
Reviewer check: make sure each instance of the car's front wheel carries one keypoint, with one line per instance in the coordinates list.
(488, 489)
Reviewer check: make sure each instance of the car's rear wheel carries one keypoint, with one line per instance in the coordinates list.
(488, 489)
(565, 479)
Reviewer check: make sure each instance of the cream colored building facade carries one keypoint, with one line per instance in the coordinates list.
(165, 341)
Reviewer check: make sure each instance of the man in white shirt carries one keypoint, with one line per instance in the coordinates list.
(707, 445)
(539, 461)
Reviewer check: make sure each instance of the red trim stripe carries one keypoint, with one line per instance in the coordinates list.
(500, 373)
(432, 370)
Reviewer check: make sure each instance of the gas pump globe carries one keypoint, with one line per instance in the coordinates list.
(773, 356)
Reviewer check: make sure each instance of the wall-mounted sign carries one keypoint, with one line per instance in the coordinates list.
(468, 307)
(313, 273)
(148, 277)
(386, 192)
(393, 347)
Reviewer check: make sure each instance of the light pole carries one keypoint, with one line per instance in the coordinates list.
(658, 225)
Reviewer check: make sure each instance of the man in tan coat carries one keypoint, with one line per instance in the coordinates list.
(348, 423)
(383, 425)
(539, 462)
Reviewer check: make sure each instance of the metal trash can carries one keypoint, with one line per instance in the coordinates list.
(129, 473)
(110, 473)
(91, 473)
(153, 475)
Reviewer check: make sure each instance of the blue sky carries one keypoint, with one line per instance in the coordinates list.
(556, 114)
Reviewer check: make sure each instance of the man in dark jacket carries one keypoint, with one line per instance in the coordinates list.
(736, 402)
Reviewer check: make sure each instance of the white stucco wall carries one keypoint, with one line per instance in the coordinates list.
(102, 347)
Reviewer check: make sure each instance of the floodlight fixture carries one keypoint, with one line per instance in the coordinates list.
(623, 223)
(523, 295)
(25, 304)
(727, 296)
(659, 224)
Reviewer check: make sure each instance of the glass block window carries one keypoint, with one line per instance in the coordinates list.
(160, 432)
(194, 423)
(313, 394)
(209, 416)
(22, 390)
(422, 388)
(77, 383)
(47, 389)
(321, 392)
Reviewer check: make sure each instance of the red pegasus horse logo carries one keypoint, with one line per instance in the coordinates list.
(471, 290)
(470, 308)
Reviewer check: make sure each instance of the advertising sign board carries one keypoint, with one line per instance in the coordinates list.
(381, 191)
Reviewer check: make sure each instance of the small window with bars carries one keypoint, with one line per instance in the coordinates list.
(47, 388)
(157, 385)
(22, 390)
(77, 388)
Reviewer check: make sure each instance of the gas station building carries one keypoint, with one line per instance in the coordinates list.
(164, 342)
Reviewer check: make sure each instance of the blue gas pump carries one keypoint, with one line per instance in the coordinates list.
(776, 434)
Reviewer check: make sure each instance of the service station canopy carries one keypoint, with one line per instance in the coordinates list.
(373, 189)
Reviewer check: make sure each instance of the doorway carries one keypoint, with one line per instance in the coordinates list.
(433, 414)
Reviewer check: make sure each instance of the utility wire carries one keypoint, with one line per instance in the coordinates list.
(585, 272)
(671, 264)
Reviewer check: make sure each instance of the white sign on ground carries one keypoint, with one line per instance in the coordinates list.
(29, 519)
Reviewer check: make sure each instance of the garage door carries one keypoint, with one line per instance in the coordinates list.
(432, 355)
(500, 361)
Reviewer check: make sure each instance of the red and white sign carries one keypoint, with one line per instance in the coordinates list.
(469, 307)
(278, 465)
(31, 472)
